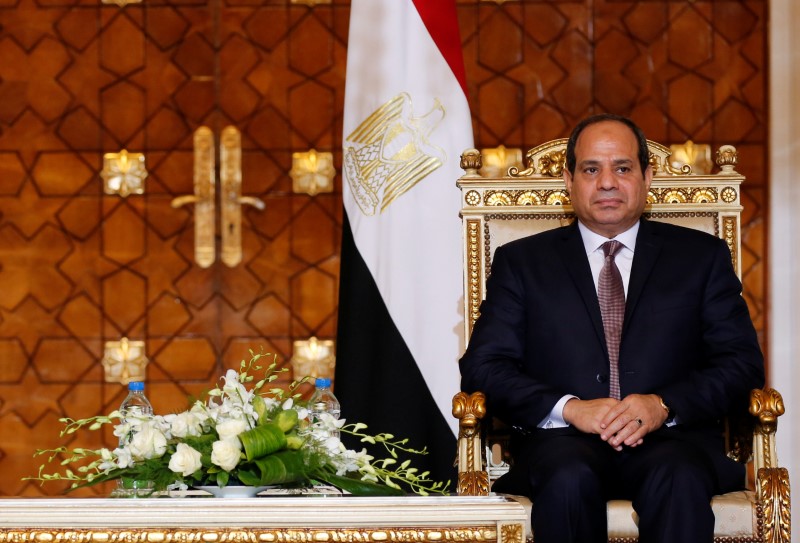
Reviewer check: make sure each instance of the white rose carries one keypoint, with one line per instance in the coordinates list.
(230, 429)
(226, 453)
(185, 461)
(185, 424)
(147, 442)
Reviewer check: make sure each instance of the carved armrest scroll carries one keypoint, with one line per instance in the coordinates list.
(772, 482)
(766, 405)
(469, 409)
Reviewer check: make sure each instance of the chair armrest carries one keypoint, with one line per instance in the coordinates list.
(772, 482)
(469, 409)
(766, 405)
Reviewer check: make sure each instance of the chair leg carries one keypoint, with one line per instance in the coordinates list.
(774, 505)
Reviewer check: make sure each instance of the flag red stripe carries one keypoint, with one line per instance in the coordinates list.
(441, 20)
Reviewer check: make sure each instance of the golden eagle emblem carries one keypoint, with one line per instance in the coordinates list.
(390, 152)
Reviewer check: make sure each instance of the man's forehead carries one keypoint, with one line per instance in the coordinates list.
(604, 138)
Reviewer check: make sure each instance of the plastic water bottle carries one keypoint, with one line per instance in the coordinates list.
(323, 401)
(135, 405)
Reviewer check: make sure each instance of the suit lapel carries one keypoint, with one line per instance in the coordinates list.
(573, 254)
(648, 247)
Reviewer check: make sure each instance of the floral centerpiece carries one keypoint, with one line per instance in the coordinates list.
(238, 436)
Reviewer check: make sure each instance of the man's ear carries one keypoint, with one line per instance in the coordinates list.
(648, 177)
(568, 180)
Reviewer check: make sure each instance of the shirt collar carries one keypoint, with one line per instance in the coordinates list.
(593, 241)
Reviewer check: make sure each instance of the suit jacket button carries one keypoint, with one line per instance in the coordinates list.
(601, 378)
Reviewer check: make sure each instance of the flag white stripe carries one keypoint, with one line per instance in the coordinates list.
(412, 247)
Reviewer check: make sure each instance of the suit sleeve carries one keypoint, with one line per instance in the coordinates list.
(493, 359)
(730, 362)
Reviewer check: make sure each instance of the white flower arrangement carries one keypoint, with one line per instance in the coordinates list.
(238, 436)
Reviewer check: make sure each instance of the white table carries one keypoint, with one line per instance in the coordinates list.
(295, 519)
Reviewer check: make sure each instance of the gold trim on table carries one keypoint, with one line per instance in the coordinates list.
(511, 533)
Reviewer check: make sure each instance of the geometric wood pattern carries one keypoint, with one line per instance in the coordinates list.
(79, 79)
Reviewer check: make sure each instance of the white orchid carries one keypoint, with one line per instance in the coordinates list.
(107, 460)
(350, 460)
(124, 458)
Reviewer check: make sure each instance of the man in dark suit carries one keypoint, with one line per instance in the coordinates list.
(614, 362)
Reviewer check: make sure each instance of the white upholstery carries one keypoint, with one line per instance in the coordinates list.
(734, 513)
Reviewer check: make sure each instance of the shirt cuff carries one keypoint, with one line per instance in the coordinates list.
(555, 419)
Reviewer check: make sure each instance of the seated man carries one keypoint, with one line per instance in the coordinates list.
(614, 347)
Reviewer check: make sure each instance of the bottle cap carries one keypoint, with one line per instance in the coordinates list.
(322, 382)
(136, 385)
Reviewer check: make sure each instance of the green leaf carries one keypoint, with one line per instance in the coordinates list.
(260, 407)
(282, 467)
(248, 478)
(357, 487)
(286, 419)
(262, 440)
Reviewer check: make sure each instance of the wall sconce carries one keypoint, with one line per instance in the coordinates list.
(124, 361)
(123, 173)
(497, 161)
(311, 3)
(313, 358)
(121, 3)
(312, 172)
(696, 156)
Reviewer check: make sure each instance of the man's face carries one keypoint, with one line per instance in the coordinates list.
(608, 190)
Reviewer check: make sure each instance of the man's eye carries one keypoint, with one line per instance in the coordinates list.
(623, 169)
(590, 170)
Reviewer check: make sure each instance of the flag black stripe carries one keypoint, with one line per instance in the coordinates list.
(377, 380)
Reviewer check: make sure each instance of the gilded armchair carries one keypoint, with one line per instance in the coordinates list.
(498, 209)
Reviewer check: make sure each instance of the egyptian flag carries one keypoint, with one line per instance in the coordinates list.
(406, 123)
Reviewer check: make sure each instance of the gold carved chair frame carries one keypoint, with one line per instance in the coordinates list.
(499, 209)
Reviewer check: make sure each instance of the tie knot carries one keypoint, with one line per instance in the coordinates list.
(611, 248)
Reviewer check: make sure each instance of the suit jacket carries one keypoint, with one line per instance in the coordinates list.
(687, 333)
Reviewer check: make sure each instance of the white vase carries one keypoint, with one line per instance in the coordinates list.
(237, 491)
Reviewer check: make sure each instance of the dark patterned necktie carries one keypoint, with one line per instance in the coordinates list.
(611, 295)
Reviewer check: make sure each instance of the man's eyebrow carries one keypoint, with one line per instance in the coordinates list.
(595, 162)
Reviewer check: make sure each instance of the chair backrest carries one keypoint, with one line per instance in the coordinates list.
(496, 210)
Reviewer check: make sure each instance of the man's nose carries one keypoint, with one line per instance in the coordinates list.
(607, 180)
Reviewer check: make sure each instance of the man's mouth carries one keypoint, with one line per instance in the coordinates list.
(608, 202)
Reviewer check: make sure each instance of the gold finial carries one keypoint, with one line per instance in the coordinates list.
(471, 162)
(727, 158)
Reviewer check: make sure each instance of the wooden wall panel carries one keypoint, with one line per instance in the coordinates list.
(681, 70)
(79, 79)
